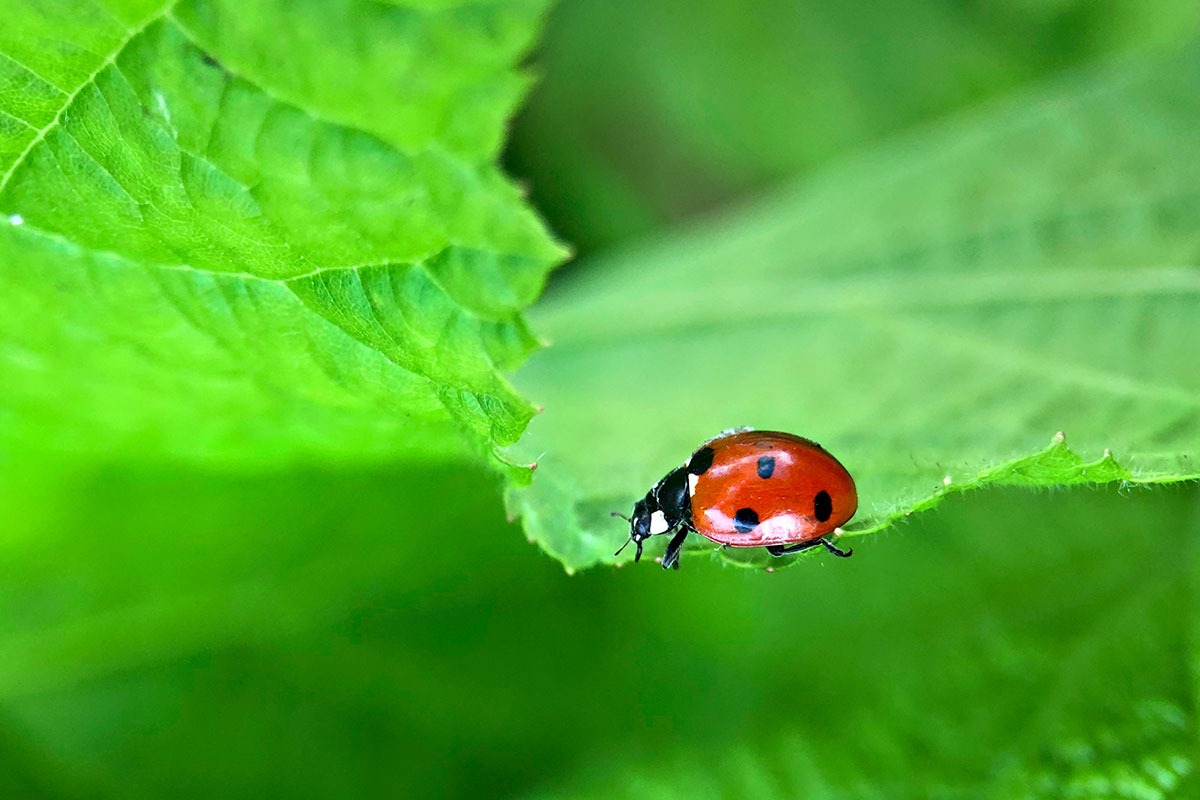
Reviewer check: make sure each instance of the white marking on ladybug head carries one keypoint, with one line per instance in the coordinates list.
(658, 523)
(692, 481)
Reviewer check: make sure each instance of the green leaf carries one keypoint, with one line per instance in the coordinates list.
(254, 232)
(932, 312)
(1016, 646)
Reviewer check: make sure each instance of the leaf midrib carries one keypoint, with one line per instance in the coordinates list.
(285, 282)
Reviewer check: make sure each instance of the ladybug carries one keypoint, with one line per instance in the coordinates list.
(748, 488)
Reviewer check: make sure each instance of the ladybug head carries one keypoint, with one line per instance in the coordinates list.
(639, 527)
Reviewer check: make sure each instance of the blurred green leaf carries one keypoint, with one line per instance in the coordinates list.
(188, 632)
(932, 312)
(252, 231)
(1013, 646)
(655, 112)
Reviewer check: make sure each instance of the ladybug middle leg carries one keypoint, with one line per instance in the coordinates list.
(671, 554)
(783, 550)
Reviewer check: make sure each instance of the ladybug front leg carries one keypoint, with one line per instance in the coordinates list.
(782, 550)
(671, 554)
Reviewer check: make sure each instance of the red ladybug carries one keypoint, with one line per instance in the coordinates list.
(748, 488)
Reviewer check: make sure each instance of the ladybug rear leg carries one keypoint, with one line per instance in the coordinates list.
(671, 554)
(783, 550)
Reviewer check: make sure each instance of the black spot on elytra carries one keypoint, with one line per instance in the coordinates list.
(766, 467)
(823, 505)
(701, 460)
(745, 520)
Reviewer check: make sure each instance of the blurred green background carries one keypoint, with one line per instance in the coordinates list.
(651, 113)
(342, 640)
(382, 631)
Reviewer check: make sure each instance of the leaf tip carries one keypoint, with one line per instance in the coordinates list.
(1059, 438)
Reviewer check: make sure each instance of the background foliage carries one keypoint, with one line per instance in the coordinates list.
(247, 549)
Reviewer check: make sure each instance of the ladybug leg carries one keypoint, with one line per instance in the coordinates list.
(778, 550)
(671, 554)
(837, 551)
(783, 550)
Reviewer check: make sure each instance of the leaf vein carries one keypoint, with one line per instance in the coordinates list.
(114, 181)
(108, 61)
(25, 67)
(1050, 367)
(6, 115)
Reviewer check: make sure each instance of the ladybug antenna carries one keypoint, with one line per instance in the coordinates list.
(637, 557)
